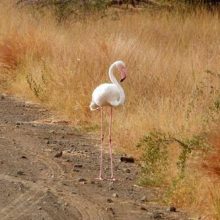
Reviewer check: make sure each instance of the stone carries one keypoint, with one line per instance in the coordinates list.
(109, 200)
(78, 166)
(20, 172)
(115, 195)
(58, 154)
(2, 96)
(75, 170)
(81, 180)
(143, 208)
(110, 209)
(157, 215)
(143, 199)
(127, 170)
(172, 209)
(127, 159)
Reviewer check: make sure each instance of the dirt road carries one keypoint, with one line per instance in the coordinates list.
(47, 172)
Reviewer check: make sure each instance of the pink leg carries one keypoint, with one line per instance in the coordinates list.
(110, 144)
(101, 146)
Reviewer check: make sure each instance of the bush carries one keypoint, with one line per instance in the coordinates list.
(155, 163)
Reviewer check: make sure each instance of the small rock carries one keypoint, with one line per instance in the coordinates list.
(76, 170)
(157, 215)
(39, 208)
(143, 199)
(172, 209)
(65, 184)
(23, 157)
(127, 159)
(127, 170)
(58, 154)
(128, 178)
(92, 182)
(47, 142)
(3, 96)
(115, 195)
(1, 162)
(109, 200)
(78, 166)
(111, 188)
(20, 186)
(68, 160)
(81, 180)
(20, 172)
(110, 209)
(18, 123)
(143, 208)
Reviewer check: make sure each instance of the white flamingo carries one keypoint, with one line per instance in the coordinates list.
(109, 94)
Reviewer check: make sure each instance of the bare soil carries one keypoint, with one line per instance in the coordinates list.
(48, 170)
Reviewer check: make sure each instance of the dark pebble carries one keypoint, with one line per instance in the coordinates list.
(23, 157)
(172, 209)
(81, 180)
(109, 200)
(110, 209)
(127, 170)
(58, 154)
(143, 208)
(20, 172)
(75, 170)
(2, 96)
(143, 199)
(78, 166)
(127, 159)
(157, 215)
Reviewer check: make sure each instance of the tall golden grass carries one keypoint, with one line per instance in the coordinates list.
(172, 60)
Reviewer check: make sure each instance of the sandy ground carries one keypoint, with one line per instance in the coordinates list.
(37, 182)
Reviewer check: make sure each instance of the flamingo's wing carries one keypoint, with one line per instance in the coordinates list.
(106, 94)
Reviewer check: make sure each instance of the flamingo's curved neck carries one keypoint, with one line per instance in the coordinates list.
(114, 81)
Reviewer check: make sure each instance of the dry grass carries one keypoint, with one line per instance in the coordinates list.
(172, 60)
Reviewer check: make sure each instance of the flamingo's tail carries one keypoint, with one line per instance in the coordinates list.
(93, 106)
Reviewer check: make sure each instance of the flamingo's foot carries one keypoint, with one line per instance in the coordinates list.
(112, 179)
(99, 178)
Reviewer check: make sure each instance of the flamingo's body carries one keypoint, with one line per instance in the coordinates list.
(109, 94)
(106, 94)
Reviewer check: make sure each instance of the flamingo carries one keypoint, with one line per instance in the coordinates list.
(109, 94)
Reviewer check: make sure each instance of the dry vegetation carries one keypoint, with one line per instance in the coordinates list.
(173, 84)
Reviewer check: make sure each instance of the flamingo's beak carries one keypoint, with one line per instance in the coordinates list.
(123, 72)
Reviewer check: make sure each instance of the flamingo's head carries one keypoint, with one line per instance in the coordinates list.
(122, 69)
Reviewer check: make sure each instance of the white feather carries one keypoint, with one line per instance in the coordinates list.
(108, 94)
